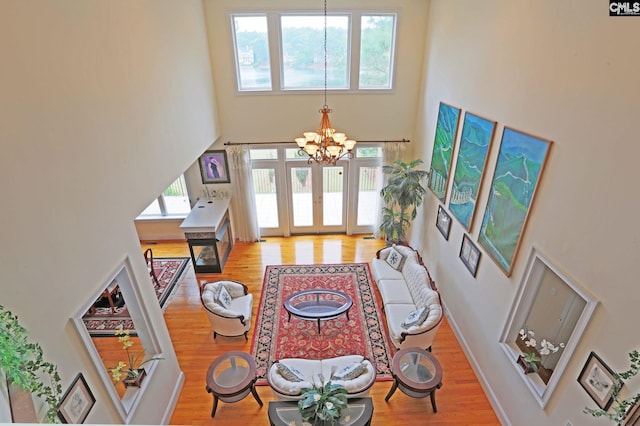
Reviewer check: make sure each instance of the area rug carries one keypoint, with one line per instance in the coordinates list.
(363, 333)
(103, 322)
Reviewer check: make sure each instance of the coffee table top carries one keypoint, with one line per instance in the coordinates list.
(358, 413)
(230, 373)
(318, 303)
(417, 369)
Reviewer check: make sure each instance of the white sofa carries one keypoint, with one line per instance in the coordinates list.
(233, 320)
(407, 290)
(310, 369)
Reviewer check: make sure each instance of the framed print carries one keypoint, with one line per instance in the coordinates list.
(598, 380)
(520, 164)
(475, 143)
(214, 167)
(443, 144)
(76, 402)
(470, 255)
(443, 222)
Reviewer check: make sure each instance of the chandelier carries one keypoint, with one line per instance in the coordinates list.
(325, 146)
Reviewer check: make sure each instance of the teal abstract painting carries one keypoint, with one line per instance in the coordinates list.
(477, 134)
(520, 163)
(443, 144)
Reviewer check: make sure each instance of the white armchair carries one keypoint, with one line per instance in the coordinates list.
(234, 319)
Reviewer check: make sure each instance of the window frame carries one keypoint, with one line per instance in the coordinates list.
(162, 205)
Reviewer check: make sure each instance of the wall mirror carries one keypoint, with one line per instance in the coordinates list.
(548, 307)
(117, 304)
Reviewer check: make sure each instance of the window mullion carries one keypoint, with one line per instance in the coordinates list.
(354, 50)
(275, 47)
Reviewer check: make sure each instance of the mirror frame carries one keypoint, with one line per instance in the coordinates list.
(126, 406)
(519, 312)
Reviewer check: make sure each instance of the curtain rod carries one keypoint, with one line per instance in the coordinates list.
(293, 143)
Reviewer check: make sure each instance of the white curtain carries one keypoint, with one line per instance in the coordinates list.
(391, 151)
(243, 201)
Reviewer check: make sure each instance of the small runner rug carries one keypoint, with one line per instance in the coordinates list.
(103, 322)
(363, 334)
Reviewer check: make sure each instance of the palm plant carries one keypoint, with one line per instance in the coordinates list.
(403, 194)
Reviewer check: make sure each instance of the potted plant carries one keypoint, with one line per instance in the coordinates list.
(24, 365)
(322, 403)
(403, 194)
(129, 372)
(530, 362)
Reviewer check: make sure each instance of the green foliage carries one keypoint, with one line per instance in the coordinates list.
(323, 402)
(24, 364)
(403, 194)
(620, 407)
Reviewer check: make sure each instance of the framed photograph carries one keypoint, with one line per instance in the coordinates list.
(443, 222)
(598, 380)
(521, 160)
(76, 402)
(214, 167)
(443, 145)
(475, 143)
(470, 255)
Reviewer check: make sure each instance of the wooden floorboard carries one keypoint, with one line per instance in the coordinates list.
(460, 401)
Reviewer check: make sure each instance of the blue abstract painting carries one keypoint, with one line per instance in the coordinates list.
(443, 144)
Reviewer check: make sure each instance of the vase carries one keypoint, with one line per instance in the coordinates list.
(526, 366)
(135, 381)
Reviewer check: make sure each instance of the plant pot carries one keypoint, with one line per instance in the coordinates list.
(136, 381)
(526, 366)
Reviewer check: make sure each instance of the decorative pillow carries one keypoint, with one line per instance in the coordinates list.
(351, 371)
(289, 373)
(416, 317)
(223, 297)
(395, 259)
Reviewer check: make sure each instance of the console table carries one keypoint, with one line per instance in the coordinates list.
(208, 232)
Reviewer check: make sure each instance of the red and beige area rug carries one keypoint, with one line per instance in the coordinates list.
(363, 333)
(103, 321)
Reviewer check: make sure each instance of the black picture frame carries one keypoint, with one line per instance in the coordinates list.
(443, 222)
(470, 255)
(598, 380)
(76, 402)
(214, 167)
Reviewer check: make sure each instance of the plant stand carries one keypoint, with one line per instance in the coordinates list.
(135, 381)
(525, 365)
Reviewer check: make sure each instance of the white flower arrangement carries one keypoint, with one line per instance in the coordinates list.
(546, 348)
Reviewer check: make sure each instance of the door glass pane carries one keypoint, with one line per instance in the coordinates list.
(301, 196)
(376, 49)
(332, 196)
(264, 187)
(368, 195)
(303, 52)
(252, 52)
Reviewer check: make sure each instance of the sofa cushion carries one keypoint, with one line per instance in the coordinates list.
(382, 271)
(351, 371)
(415, 317)
(395, 259)
(289, 373)
(394, 291)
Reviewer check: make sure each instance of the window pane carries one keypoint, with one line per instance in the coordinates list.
(152, 210)
(176, 199)
(264, 187)
(252, 52)
(263, 154)
(295, 154)
(369, 152)
(376, 49)
(303, 52)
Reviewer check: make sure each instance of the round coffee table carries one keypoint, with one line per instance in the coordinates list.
(416, 373)
(231, 377)
(318, 304)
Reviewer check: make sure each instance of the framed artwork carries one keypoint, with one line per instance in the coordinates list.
(598, 380)
(443, 222)
(475, 143)
(76, 402)
(520, 164)
(443, 144)
(214, 167)
(470, 255)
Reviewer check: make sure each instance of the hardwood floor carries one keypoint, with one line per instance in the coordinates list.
(460, 401)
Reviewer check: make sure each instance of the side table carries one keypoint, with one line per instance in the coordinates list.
(417, 373)
(231, 377)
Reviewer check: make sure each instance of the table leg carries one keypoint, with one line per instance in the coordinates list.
(392, 390)
(289, 320)
(215, 405)
(318, 325)
(255, 395)
(433, 401)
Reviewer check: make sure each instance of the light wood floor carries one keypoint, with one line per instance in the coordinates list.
(460, 401)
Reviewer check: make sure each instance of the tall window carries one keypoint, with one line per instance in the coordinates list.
(298, 47)
(174, 201)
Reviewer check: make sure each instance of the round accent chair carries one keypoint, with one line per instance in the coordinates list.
(228, 306)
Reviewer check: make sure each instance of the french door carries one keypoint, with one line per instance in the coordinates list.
(317, 199)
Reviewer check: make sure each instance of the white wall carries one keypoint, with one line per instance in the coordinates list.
(563, 71)
(103, 104)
